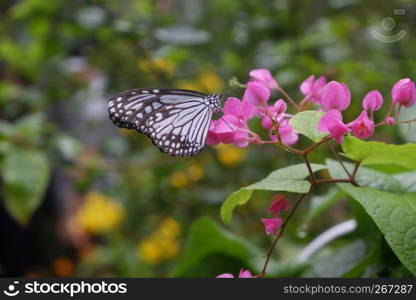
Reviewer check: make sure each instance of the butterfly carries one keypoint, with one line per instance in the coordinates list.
(177, 121)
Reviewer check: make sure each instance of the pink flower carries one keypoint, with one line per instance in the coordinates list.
(241, 109)
(373, 101)
(243, 274)
(336, 95)
(404, 92)
(276, 115)
(332, 123)
(265, 76)
(312, 88)
(225, 275)
(279, 203)
(228, 130)
(390, 121)
(287, 134)
(256, 93)
(271, 225)
(362, 127)
(276, 111)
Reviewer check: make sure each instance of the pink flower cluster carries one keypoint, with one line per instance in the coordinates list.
(335, 97)
(243, 274)
(232, 127)
(331, 97)
(279, 203)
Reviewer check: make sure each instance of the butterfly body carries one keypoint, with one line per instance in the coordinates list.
(177, 121)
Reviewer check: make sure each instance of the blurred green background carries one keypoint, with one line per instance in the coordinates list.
(80, 197)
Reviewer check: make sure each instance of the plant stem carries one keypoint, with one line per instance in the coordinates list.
(396, 122)
(311, 148)
(338, 180)
(313, 182)
(354, 173)
(308, 164)
(338, 158)
(289, 98)
(280, 234)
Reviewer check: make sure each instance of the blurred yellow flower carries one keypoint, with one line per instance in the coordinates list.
(156, 65)
(162, 244)
(210, 82)
(127, 132)
(195, 172)
(229, 155)
(169, 228)
(188, 85)
(178, 179)
(149, 250)
(206, 81)
(99, 213)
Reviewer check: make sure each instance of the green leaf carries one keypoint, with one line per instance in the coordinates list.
(30, 125)
(371, 257)
(289, 179)
(306, 122)
(25, 175)
(395, 216)
(319, 204)
(368, 177)
(407, 180)
(385, 209)
(380, 153)
(210, 250)
(239, 197)
(340, 262)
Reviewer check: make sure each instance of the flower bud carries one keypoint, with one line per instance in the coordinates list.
(336, 96)
(373, 101)
(271, 225)
(404, 92)
(390, 121)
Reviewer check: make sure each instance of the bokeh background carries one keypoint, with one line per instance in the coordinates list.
(79, 197)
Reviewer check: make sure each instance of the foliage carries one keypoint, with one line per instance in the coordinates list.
(288, 179)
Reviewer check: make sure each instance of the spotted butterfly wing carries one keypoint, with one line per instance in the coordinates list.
(177, 121)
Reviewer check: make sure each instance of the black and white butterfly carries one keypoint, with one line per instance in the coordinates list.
(177, 121)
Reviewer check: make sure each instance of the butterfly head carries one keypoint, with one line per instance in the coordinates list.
(214, 101)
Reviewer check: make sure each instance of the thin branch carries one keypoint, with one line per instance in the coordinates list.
(289, 98)
(354, 173)
(309, 149)
(308, 164)
(280, 234)
(398, 111)
(396, 122)
(338, 158)
(290, 149)
(321, 181)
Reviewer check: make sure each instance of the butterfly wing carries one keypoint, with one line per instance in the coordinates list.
(176, 121)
